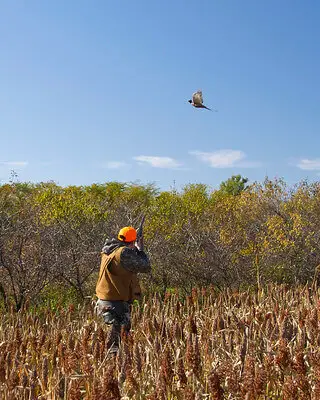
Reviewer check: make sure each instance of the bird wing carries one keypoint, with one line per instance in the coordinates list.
(197, 97)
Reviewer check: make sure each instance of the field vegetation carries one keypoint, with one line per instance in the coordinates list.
(251, 345)
(231, 308)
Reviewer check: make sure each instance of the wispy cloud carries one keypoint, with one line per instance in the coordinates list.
(115, 164)
(226, 158)
(14, 164)
(309, 165)
(158, 162)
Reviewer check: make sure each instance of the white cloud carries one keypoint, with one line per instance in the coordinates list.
(310, 165)
(222, 158)
(114, 164)
(14, 164)
(158, 162)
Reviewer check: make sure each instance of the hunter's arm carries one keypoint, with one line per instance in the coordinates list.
(135, 260)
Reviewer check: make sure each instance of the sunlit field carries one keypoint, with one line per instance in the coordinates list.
(212, 345)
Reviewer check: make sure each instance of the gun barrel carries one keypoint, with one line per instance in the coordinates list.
(140, 229)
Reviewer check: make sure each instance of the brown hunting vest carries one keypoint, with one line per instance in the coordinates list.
(115, 282)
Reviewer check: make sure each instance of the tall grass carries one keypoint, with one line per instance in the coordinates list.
(228, 345)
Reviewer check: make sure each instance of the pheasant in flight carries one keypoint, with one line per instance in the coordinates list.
(197, 101)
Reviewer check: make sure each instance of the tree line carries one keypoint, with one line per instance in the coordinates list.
(237, 235)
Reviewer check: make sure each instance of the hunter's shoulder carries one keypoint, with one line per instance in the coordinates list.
(134, 260)
(132, 252)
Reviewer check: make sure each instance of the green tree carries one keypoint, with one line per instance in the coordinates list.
(234, 185)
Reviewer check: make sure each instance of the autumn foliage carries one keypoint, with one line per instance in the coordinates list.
(52, 235)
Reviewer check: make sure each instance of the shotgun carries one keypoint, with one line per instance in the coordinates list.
(140, 233)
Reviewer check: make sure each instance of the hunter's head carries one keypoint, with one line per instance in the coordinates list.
(127, 235)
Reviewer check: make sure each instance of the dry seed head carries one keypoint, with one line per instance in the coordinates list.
(45, 371)
(215, 387)
(41, 341)
(260, 382)
(131, 382)
(162, 393)
(181, 372)
(248, 378)
(178, 308)
(58, 339)
(302, 317)
(228, 373)
(24, 380)
(74, 391)
(300, 367)
(71, 362)
(96, 390)
(110, 389)
(299, 364)
(155, 324)
(166, 367)
(93, 341)
(153, 396)
(71, 342)
(61, 388)
(8, 361)
(193, 357)
(97, 351)
(192, 325)
(61, 351)
(87, 367)
(283, 355)
(127, 354)
(13, 380)
(157, 345)
(54, 359)
(221, 323)
(33, 384)
(290, 389)
(100, 334)
(286, 330)
(18, 335)
(79, 350)
(316, 388)
(197, 356)
(194, 294)
(314, 318)
(120, 357)
(137, 358)
(188, 393)
(215, 324)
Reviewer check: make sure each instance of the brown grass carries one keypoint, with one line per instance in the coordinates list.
(244, 346)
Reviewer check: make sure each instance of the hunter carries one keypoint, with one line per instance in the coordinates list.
(118, 285)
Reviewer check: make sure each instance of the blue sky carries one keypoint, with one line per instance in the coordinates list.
(96, 91)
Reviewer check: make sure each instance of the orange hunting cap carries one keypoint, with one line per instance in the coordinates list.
(127, 234)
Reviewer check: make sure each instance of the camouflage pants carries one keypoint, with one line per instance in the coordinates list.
(116, 314)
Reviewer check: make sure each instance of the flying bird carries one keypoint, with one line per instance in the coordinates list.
(197, 101)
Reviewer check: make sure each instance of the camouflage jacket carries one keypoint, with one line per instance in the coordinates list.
(133, 260)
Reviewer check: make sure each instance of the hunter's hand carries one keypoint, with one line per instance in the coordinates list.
(139, 243)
